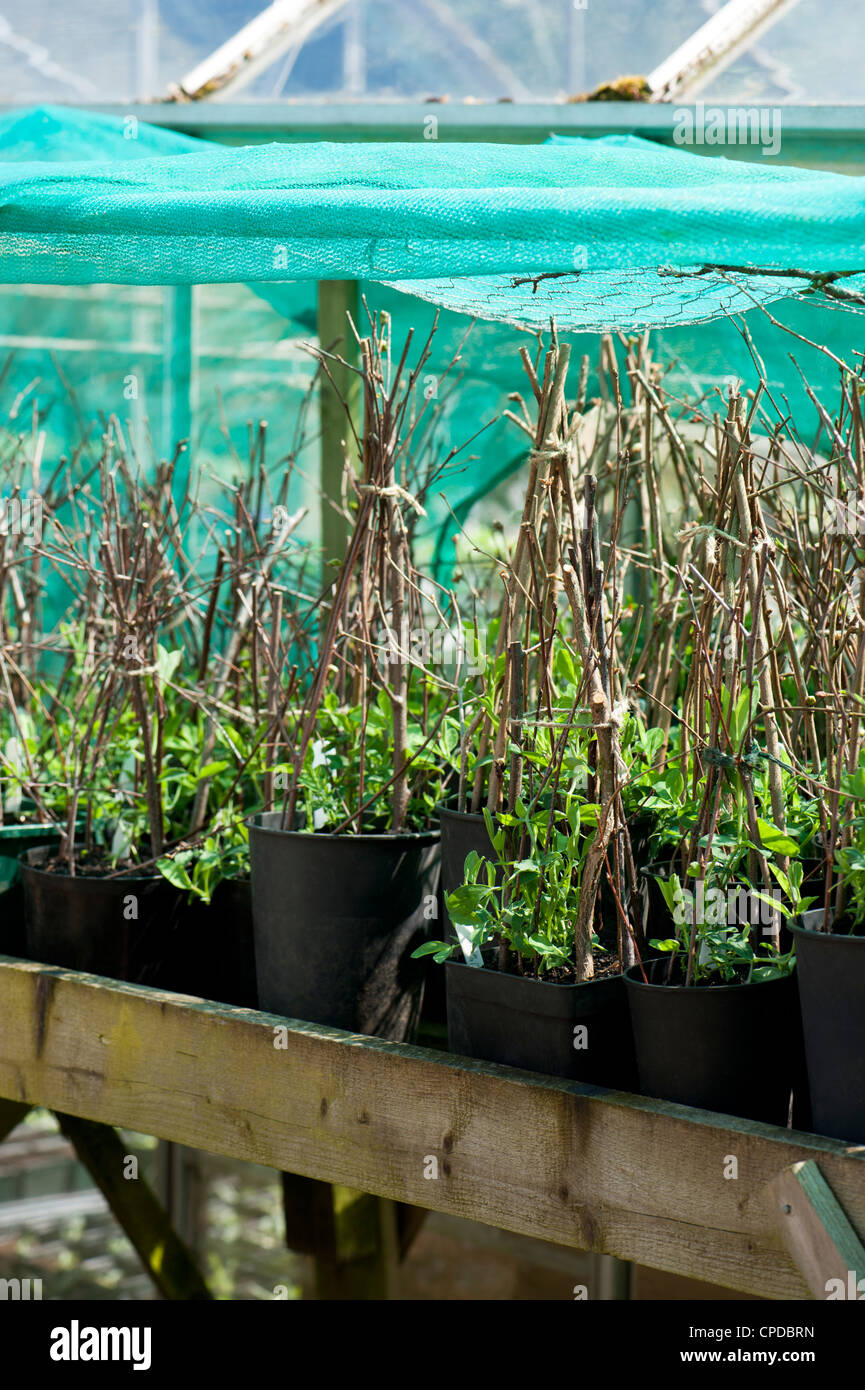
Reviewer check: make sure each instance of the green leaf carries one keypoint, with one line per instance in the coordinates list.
(671, 891)
(471, 866)
(769, 972)
(167, 663)
(782, 879)
(211, 769)
(746, 707)
(464, 903)
(774, 840)
(176, 874)
(431, 948)
(773, 902)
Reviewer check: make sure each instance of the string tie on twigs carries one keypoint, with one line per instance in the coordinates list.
(556, 451)
(393, 490)
(744, 764)
(695, 529)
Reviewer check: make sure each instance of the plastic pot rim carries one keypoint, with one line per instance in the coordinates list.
(524, 979)
(813, 933)
(633, 982)
(442, 808)
(386, 837)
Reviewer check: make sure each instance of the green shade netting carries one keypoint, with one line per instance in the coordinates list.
(469, 226)
(100, 217)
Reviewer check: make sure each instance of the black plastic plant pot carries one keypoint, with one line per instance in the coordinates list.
(336, 919)
(461, 832)
(581, 1032)
(731, 1048)
(831, 970)
(15, 840)
(234, 961)
(126, 928)
(218, 946)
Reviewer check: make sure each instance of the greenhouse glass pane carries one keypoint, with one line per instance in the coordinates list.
(451, 49)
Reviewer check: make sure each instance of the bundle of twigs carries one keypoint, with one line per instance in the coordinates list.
(379, 596)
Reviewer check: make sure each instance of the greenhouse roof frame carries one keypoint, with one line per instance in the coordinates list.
(513, 122)
(285, 25)
(816, 135)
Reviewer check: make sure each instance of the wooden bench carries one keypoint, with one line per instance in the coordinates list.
(596, 1170)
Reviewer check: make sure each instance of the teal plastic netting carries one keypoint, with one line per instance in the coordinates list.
(132, 254)
(597, 231)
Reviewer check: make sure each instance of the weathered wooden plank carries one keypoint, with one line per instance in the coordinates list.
(627, 1176)
(164, 1256)
(816, 1231)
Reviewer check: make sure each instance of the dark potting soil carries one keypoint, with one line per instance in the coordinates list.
(606, 963)
(715, 982)
(677, 978)
(94, 867)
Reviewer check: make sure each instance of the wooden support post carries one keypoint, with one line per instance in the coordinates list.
(12, 1112)
(364, 1261)
(817, 1233)
(336, 299)
(612, 1278)
(163, 1254)
(356, 1239)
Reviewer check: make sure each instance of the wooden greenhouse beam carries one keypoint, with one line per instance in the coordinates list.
(254, 48)
(581, 1167)
(336, 300)
(165, 1258)
(714, 46)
